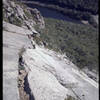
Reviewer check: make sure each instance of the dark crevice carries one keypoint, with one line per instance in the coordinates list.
(27, 89)
(23, 85)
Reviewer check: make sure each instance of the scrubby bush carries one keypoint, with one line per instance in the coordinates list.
(70, 98)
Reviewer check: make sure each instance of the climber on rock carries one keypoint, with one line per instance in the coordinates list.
(21, 62)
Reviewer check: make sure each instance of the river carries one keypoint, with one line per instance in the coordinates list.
(50, 13)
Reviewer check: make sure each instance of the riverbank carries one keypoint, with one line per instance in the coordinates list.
(75, 16)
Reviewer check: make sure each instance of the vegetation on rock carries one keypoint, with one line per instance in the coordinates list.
(70, 98)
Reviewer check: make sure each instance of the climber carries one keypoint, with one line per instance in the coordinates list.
(21, 61)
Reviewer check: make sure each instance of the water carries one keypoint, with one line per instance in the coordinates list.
(50, 13)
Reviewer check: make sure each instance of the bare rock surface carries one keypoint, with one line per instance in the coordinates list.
(96, 18)
(52, 78)
(12, 43)
(17, 29)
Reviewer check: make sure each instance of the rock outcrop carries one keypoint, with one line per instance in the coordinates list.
(16, 13)
(38, 17)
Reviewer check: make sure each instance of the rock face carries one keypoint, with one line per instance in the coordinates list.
(11, 28)
(12, 43)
